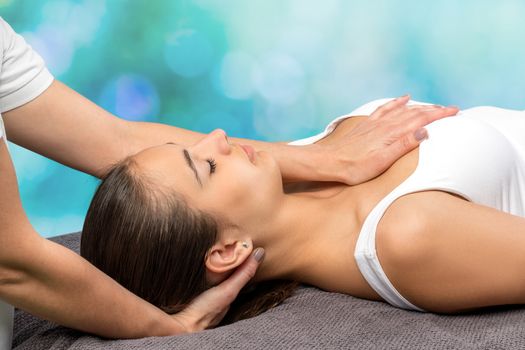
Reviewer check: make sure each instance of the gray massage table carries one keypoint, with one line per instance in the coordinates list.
(310, 319)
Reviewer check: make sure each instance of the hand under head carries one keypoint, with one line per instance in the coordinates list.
(149, 241)
(166, 237)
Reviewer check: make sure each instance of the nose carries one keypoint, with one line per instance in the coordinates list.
(216, 141)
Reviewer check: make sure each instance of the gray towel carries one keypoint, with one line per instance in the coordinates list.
(310, 319)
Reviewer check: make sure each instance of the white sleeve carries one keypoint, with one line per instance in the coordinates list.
(23, 74)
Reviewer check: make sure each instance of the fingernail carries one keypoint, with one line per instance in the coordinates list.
(258, 254)
(421, 134)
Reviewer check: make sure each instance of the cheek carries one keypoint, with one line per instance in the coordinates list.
(244, 187)
(262, 186)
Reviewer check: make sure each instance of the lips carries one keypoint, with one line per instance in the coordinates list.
(250, 152)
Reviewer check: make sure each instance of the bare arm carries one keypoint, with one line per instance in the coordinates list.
(54, 283)
(64, 126)
(448, 255)
(68, 128)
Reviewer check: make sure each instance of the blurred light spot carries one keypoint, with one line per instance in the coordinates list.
(58, 9)
(278, 122)
(279, 79)
(53, 226)
(305, 42)
(31, 168)
(317, 14)
(188, 53)
(209, 4)
(131, 97)
(212, 120)
(65, 27)
(5, 3)
(82, 19)
(236, 75)
(54, 48)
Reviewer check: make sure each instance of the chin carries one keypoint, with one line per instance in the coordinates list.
(274, 169)
(270, 177)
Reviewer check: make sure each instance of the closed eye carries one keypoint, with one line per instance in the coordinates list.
(212, 164)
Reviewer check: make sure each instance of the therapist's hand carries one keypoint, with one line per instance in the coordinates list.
(209, 308)
(379, 140)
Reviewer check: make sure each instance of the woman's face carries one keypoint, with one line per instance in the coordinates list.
(231, 180)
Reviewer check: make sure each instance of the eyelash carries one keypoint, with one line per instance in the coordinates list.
(213, 165)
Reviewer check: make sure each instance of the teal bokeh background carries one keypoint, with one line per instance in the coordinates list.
(263, 69)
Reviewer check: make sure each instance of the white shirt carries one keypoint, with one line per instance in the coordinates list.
(478, 154)
(23, 76)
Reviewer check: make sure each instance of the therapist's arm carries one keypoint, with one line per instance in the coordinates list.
(54, 283)
(62, 125)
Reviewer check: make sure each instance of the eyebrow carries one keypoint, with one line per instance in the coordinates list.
(190, 163)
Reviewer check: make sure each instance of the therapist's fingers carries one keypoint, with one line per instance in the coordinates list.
(405, 144)
(418, 118)
(226, 292)
(397, 110)
(230, 287)
(417, 134)
(390, 106)
(411, 132)
(209, 308)
(441, 113)
(424, 107)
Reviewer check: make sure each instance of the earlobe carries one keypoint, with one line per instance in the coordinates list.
(223, 258)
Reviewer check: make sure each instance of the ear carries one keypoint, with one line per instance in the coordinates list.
(223, 258)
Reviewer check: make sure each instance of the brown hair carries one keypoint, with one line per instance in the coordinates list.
(151, 242)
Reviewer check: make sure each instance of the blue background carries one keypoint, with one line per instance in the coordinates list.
(263, 69)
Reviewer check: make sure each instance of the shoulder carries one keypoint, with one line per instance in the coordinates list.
(406, 230)
(399, 228)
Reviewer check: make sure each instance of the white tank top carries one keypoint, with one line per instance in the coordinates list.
(478, 154)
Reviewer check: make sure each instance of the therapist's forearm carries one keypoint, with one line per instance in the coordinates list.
(62, 125)
(54, 283)
(296, 162)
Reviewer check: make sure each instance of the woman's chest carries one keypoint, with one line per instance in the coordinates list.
(354, 204)
(367, 194)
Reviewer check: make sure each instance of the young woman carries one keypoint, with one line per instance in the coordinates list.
(46, 117)
(442, 230)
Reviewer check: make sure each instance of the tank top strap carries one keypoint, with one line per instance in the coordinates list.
(365, 250)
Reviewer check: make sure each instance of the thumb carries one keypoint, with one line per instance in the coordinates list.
(406, 144)
(420, 135)
(208, 309)
(242, 275)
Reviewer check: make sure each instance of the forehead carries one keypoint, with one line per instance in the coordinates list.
(166, 165)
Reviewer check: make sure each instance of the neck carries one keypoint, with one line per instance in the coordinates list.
(303, 234)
